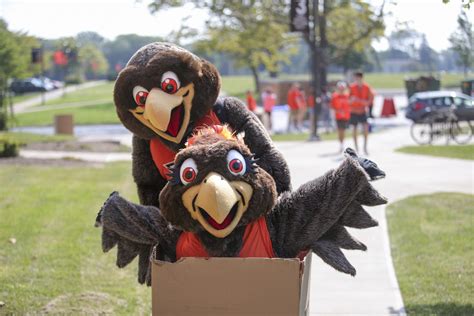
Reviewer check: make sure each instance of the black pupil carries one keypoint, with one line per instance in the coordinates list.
(236, 165)
(188, 174)
(169, 87)
(142, 99)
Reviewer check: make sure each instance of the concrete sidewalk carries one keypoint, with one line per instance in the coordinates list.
(374, 290)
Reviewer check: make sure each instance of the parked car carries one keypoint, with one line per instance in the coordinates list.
(421, 104)
(34, 85)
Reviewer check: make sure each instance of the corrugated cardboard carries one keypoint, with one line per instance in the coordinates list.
(231, 286)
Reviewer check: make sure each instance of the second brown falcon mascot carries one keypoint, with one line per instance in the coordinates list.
(165, 93)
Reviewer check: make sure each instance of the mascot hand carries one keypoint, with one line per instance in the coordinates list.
(369, 166)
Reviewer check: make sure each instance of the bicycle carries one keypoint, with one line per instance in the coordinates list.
(441, 123)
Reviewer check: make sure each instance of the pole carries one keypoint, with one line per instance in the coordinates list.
(316, 82)
(43, 93)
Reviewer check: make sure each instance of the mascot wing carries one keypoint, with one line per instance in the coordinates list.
(314, 216)
(135, 229)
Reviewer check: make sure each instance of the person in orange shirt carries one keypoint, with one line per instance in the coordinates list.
(340, 105)
(269, 101)
(360, 98)
(251, 103)
(294, 103)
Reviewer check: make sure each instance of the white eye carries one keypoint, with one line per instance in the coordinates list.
(139, 95)
(188, 171)
(236, 163)
(170, 82)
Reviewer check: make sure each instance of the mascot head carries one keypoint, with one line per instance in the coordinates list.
(163, 90)
(215, 185)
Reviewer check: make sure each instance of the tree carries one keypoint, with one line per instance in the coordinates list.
(427, 55)
(15, 62)
(253, 32)
(119, 51)
(93, 61)
(462, 42)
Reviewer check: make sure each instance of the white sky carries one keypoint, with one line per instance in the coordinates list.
(109, 18)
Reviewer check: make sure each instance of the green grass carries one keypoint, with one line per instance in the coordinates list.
(23, 97)
(50, 211)
(301, 137)
(102, 113)
(102, 92)
(432, 240)
(26, 138)
(452, 151)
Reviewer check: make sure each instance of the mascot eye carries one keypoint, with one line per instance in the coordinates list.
(170, 82)
(188, 171)
(139, 95)
(236, 163)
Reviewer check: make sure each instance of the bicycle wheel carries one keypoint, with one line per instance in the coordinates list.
(461, 131)
(421, 133)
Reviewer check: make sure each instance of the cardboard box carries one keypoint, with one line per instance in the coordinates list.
(231, 286)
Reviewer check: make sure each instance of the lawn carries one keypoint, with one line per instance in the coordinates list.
(451, 151)
(432, 240)
(26, 138)
(102, 113)
(301, 137)
(102, 93)
(57, 258)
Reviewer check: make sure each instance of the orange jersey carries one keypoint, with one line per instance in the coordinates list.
(251, 103)
(340, 104)
(294, 99)
(360, 97)
(256, 243)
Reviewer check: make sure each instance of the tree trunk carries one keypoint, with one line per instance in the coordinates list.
(323, 63)
(256, 81)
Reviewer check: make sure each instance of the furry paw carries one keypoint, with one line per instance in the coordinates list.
(98, 219)
(369, 166)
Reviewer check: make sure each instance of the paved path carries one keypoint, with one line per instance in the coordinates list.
(54, 94)
(374, 290)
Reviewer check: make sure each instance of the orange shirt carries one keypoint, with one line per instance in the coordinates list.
(363, 97)
(251, 103)
(310, 101)
(256, 243)
(269, 100)
(340, 104)
(294, 99)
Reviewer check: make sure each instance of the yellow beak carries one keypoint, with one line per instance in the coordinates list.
(159, 106)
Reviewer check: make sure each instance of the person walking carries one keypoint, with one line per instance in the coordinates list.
(302, 108)
(294, 102)
(251, 103)
(360, 98)
(340, 105)
(269, 101)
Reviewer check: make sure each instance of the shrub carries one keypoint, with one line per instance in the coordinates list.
(9, 148)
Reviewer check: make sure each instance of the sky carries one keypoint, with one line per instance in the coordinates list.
(57, 18)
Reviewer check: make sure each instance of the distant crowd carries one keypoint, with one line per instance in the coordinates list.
(347, 105)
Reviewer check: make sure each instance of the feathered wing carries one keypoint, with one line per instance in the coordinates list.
(233, 112)
(135, 229)
(314, 216)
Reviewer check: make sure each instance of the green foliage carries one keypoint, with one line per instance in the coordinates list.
(119, 51)
(462, 42)
(8, 149)
(432, 240)
(93, 61)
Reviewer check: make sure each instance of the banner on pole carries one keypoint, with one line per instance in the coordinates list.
(299, 16)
